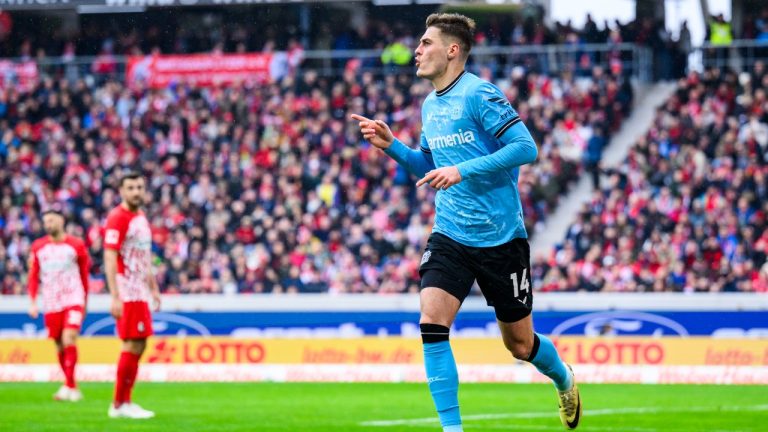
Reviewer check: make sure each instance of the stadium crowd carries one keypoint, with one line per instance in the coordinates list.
(267, 188)
(233, 30)
(688, 209)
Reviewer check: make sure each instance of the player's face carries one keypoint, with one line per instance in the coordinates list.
(53, 224)
(432, 54)
(132, 192)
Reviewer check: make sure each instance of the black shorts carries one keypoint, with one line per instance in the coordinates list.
(503, 273)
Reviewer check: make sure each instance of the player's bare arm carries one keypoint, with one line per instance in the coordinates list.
(154, 290)
(34, 312)
(110, 270)
(375, 132)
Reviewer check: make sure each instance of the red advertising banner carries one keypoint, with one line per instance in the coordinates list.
(24, 76)
(205, 70)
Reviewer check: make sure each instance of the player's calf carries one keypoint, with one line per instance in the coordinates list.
(442, 376)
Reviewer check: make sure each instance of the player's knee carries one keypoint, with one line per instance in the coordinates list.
(519, 350)
(68, 340)
(433, 320)
(135, 346)
(139, 347)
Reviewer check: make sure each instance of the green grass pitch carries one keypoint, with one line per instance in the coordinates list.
(386, 408)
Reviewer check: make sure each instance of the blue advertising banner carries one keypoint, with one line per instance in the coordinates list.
(373, 323)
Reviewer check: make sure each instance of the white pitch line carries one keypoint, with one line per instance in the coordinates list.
(549, 414)
(557, 428)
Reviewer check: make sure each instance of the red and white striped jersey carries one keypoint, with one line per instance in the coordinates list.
(59, 271)
(129, 234)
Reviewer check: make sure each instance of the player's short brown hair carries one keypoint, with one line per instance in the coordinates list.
(456, 26)
(54, 208)
(130, 175)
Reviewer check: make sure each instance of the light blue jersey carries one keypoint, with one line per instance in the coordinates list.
(470, 124)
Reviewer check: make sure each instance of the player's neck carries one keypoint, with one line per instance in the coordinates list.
(58, 237)
(451, 73)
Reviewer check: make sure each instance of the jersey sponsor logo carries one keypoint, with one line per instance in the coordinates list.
(56, 258)
(508, 114)
(112, 237)
(451, 140)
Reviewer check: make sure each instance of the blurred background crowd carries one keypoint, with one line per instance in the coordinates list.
(270, 188)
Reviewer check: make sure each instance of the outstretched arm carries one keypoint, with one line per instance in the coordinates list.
(417, 162)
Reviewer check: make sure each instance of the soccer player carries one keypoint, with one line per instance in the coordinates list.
(127, 265)
(472, 143)
(59, 264)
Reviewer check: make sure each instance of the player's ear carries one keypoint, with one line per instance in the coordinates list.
(453, 51)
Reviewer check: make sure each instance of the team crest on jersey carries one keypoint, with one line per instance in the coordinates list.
(141, 326)
(456, 112)
(112, 236)
(425, 257)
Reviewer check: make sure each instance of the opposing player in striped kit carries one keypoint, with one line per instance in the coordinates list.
(58, 271)
(128, 268)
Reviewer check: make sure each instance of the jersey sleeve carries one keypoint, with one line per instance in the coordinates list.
(424, 145)
(493, 111)
(34, 273)
(496, 116)
(417, 162)
(114, 232)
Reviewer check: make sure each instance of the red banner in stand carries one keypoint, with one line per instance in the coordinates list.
(203, 70)
(23, 75)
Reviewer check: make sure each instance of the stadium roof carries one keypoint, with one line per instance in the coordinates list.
(117, 5)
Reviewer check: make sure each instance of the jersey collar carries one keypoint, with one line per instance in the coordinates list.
(451, 85)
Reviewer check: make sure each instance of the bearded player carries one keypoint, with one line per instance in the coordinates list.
(127, 265)
(58, 270)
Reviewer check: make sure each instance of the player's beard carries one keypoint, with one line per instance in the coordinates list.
(136, 203)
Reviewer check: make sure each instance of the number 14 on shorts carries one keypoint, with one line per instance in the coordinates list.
(523, 285)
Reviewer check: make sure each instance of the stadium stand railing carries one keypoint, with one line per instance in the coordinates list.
(739, 55)
(631, 59)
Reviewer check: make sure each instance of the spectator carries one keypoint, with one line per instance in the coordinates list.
(686, 210)
(264, 189)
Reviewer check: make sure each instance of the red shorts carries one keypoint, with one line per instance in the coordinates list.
(69, 318)
(136, 321)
